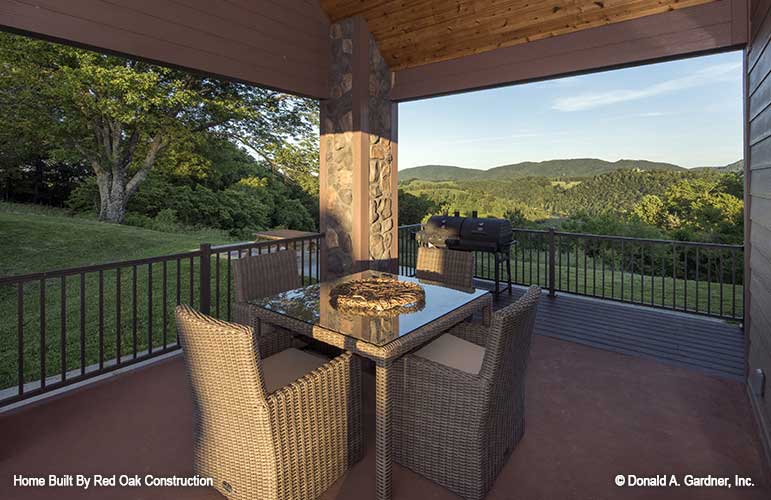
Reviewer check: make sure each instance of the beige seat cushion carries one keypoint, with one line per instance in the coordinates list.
(285, 367)
(455, 352)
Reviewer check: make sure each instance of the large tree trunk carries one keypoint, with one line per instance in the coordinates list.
(115, 189)
(112, 196)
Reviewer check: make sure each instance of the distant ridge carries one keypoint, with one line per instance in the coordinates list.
(577, 167)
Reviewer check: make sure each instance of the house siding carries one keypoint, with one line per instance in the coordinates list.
(758, 208)
(277, 44)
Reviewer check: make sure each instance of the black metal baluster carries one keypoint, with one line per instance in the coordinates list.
(721, 283)
(42, 333)
(733, 281)
(642, 273)
(709, 284)
(594, 270)
(674, 277)
(697, 279)
(685, 278)
(653, 272)
(217, 280)
(612, 270)
(20, 335)
(631, 276)
(149, 308)
(577, 243)
(567, 259)
(63, 318)
(192, 281)
(101, 320)
(302, 260)
(179, 282)
(622, 270)
(603, 267)
(663, 279)
(586, 272)
(538, 261)
(134, 310)
(82, 324)
(118, 329)
(559, 261)
(229, 280)
(165, 306)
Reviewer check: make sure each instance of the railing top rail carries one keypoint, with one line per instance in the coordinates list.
(57, 273)
(257, 244)
(650, 240)
(619, 238)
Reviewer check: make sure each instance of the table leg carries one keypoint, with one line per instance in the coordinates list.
(383, 441)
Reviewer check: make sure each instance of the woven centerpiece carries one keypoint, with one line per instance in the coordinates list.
(380, 297)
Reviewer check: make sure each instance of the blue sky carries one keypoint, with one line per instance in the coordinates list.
(687, 112)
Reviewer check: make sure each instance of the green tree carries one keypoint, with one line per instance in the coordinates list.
(650, 209)
(122, 116)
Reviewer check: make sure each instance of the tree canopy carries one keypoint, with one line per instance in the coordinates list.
(122, 117)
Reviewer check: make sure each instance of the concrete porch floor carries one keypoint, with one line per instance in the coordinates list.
(591, 414)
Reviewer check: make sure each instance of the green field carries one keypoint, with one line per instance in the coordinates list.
(36, 239)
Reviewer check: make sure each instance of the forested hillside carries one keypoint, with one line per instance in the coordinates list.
(698, 204)
(567, 168)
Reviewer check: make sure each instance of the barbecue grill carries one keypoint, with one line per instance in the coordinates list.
(471, 234)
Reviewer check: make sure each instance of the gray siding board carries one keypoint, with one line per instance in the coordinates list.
(760, 125)
(760, 270)
(761, 182)
(761, 155)
(760, 99)
(759, 199)
(761, 34)
(760, 211)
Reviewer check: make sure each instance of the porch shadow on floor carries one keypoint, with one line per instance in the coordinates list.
(591, 414)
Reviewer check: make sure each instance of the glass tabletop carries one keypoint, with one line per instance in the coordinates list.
(311, 304)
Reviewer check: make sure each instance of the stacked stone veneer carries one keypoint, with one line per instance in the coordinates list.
(337, 134)
(340, 131)
(381, 162)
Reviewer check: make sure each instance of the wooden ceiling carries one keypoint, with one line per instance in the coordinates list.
(417, 32)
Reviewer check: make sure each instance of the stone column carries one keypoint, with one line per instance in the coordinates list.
(358, 191)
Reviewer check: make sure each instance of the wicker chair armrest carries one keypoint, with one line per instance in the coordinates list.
(474, 332)
(439, 377)
(271, 339)
(334, 376)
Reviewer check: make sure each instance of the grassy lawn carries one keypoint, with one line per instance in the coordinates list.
(37, 239)
(605, 282)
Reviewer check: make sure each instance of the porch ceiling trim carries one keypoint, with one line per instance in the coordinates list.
(710, 27)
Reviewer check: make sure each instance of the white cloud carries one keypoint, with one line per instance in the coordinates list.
(706, 76)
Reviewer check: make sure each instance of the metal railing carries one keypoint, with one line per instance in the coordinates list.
(695, 277)
(62, 327)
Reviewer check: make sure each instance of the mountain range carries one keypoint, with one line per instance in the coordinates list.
(569, 168)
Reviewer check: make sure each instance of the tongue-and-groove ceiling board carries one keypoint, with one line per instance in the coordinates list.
(416, 32)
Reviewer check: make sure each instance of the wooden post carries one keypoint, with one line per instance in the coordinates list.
(552, 263)
(205, 278)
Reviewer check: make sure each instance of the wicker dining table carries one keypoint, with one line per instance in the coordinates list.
(308, 311)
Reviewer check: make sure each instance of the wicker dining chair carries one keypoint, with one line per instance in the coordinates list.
(450, 267)
(459, 411)
(259, 276)
(280, 427)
